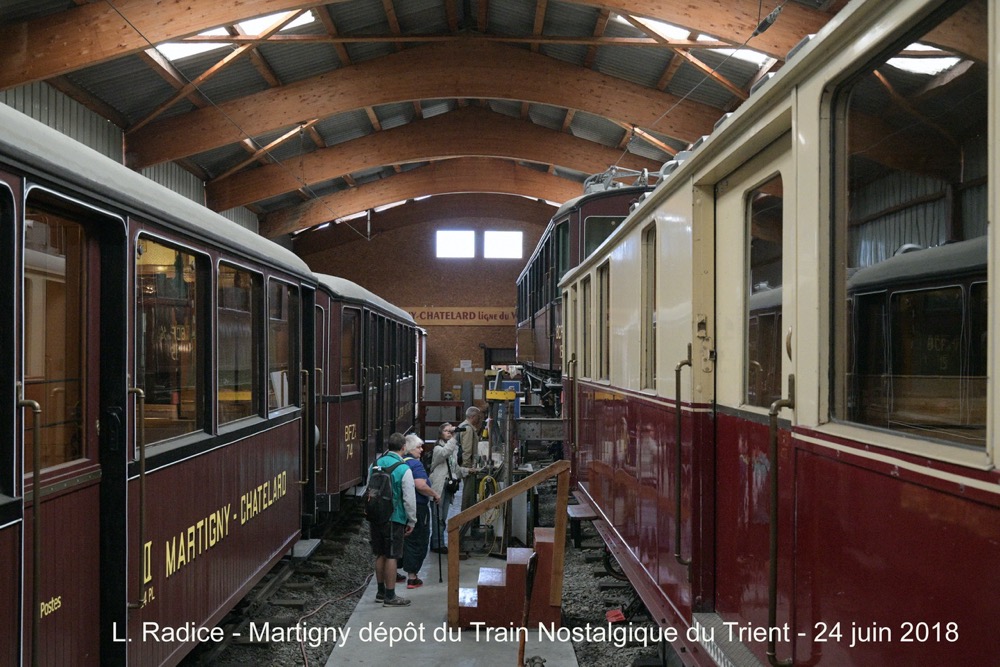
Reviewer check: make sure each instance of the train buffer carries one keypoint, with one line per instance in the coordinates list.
(581, 511)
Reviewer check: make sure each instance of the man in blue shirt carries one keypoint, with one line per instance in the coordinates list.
(387, 539)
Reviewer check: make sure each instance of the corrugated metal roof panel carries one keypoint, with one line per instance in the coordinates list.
(359, 17)
(431, 108)
(238, 79)
(511, 18)
(698, 87)
(395, 115)
(292, 61)
(596, 128)
(130, 86)
(570, 19)
(344, 127)
(639, 64)
(547, 116)
(219, 160)
(510, 108)
(421, 17)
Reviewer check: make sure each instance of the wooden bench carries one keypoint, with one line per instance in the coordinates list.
(577, 513)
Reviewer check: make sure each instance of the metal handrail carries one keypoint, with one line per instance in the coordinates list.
(677, 481)
(140, 406)
(772, 582)
(306, 435)
(576, 402)
(36, 519)
(320, 379)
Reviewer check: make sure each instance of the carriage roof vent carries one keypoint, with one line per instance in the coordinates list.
(719, 123)
(794, 51)
(697, 143)
(760, 84)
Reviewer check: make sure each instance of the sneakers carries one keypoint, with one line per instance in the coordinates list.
(400, 578)
(414, 583)
(396, 602)
(380, 597)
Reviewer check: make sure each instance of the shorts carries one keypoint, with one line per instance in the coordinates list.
(387, 539)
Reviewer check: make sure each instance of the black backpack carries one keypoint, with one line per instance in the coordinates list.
(379, 504)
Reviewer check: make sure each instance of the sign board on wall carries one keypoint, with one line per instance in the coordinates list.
(462, 316)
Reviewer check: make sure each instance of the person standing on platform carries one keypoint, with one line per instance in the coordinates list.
(415, 544)
(468, 441)
(446, 473)
(387, 539)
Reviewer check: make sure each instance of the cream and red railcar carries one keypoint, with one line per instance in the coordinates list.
(159, 415)
(779, 369)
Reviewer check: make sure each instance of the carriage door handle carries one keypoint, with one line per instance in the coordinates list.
(140, 418)
(677, 480)
(772, 582)
(36, 523)
(320, 410)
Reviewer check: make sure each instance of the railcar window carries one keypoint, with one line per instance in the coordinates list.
(562, 249)
(648, 296)
(239, 334)
(168, 330)
(762, 371)
(282, 346)
(910, 234)
(350, 326)
(7, 338)
(604, 321)
(596, 228)
(55, 334)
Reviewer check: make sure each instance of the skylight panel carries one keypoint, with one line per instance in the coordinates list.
(745, 54)
(923, 59)
(178, 50)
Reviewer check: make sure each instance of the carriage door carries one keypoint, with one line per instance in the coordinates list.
(754, 307)
(321, 353)
(61, 396)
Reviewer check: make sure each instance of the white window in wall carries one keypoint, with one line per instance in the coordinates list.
(503, 245)
(455, 243)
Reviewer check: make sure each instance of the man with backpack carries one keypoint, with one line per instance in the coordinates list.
(391, 508)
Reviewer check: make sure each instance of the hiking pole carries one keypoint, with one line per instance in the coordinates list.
(437, 527)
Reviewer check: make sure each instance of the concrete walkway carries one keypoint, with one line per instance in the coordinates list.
(421, 637)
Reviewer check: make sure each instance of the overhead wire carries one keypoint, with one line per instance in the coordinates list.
(304, 185)
(762, 25)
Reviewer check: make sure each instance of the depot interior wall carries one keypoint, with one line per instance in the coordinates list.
(400, 265)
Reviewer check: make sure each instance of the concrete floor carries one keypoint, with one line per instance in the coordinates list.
(371, 625)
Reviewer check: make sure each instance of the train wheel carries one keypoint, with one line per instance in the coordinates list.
(612, 567)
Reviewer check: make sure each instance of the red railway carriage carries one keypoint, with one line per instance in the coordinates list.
(780, 393)
(365, 347)
(161, 406)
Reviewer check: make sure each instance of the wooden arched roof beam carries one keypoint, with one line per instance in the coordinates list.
(444, 177)
(685, 54)
(245, 50)
(439, 71)
(428, 211)
(39, 48)
(468, 131)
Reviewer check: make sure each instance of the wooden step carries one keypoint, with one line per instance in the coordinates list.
(541, 611)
